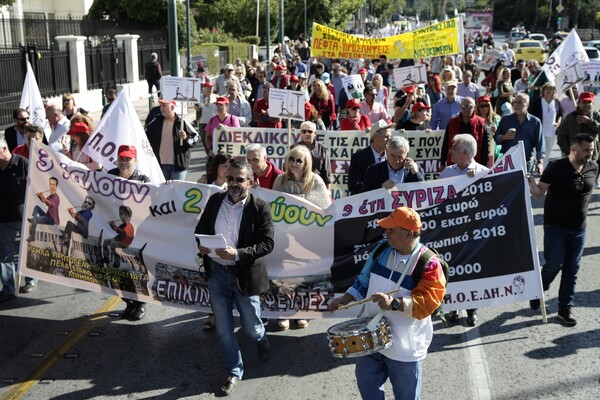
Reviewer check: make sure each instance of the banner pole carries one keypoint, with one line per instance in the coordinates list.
(289, 127)
(181, 125)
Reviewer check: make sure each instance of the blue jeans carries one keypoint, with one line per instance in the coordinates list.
(373, 370)
(224, 292)
(170, 174)
(563, 248)
(8, 234)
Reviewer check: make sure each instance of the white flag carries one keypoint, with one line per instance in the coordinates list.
(121, 125)
(417, 20)
(31, 100)
(569, 52)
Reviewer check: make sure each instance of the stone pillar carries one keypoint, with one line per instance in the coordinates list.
(76, 60)
(131, 56)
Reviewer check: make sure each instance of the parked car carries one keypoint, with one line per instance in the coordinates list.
(593, 43)
(593, 53)
(540, 37)
(514, 37)
(531, 49)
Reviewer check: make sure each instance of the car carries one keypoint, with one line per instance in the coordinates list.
(593, 43)
(593, 53)
(514, 37)
(540, 37)
(531, 49)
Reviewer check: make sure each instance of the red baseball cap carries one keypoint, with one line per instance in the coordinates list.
(78, 127)
(126, 150)
(294, 78)
(161, 101)
(352, 103)
(483, 98)
(208, 84)
(586, 96)
(409, 89)
(362, 70)
(279, 68)
(419, 105)
(222, 100)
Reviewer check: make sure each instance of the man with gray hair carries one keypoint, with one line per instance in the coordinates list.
(462, 155)
(397, 168)
(153, 72)
(264, 170)
(320, 157)
(361, 160)
(60, 126)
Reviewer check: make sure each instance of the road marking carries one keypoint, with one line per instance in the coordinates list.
(19, 390)
(480, 374)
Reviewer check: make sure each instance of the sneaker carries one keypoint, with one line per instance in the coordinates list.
(264, 349)
(227, 387)
(453, 316)
(6, 296)
(28, 288)
(472, 318)
(566, 317)
(127, 311)
(534, 304)
(284, 324)
(302, 323)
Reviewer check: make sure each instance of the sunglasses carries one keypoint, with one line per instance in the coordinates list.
(298, 161)
(485, 105)
(306, 131)
(237, 180)
(466, 106)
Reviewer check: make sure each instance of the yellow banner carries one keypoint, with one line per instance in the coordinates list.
(436, 40)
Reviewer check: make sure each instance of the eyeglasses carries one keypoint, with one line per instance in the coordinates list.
(23, 119)
(306, 131)
(237, 179)
(466, 106)
(298, 161)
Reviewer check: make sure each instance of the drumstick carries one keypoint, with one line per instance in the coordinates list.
(343, 307)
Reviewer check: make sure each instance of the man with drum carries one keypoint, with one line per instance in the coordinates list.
(388, 278)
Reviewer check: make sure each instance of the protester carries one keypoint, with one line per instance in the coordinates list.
(407, 311)
(467, 88)
(364, 158)
(260, 111)
(69, 107)
(322, 100)
(446, 108)
(372, 108)
(383, 95)
(568, 184)
(354, 121)
(265, 172)
(547, 109)
(485, 110)
(505, 89)
(34, 132)
(321, 165)
(80, 131)
(419, 119)
(16, 134)
(238, 273)
(153, 73)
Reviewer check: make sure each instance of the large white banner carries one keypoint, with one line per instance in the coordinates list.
(568, 53)
(31, 100)
(317, 253)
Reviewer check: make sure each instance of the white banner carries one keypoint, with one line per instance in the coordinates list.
(317, 253)
(568, 53)
(121, 125)
(410, 76)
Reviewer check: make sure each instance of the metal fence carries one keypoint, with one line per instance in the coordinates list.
(105, 64)
(50, 66)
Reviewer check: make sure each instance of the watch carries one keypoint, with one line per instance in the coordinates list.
(396, 303)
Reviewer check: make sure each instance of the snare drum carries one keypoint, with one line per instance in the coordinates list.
(353, 338)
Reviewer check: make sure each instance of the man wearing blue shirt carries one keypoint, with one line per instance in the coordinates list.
(446, 107)
(522, 126)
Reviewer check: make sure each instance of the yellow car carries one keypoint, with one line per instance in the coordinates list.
(531, 49)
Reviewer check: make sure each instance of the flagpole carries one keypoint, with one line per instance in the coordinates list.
(181, 126)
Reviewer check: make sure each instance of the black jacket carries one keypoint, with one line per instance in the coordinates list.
(182, 152)
(359, 162)
(378, 173)
(255, 241)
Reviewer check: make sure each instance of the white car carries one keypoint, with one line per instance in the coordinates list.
(593, 43)
(593, 53)
(540, 37)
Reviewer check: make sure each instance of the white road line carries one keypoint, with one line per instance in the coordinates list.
(478, 366)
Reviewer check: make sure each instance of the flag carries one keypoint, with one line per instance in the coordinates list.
(417, 20)
(568, 53)
(121, 125)
(31, 100)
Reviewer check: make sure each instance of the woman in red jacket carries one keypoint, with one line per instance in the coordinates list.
(323, 101)
(354, 121)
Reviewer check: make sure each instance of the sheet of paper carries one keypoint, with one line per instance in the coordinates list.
(212, 242)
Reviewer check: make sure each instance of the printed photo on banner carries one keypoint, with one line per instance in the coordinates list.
(413, 75)
(181, 89)
(94, 231)
(286, 104)
(591, 77)
(354, 86)
(569, 77)
(490, 58)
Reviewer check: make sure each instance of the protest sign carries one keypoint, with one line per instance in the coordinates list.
(354, 87)
(409, 76)
(286, 104)
(569, 77)
(568, 53)
(182, 89)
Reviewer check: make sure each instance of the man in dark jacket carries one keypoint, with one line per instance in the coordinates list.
(153, 72)
(171, 142)
(237, 273)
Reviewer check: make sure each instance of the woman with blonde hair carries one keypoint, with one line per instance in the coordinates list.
(447, 75)
(240, 73)
(383, 95)
(81, 128)
(323, 101)
(505, 89)
(299, 180)
(69, 107)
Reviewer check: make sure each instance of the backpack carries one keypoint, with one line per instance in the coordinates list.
(419, 270)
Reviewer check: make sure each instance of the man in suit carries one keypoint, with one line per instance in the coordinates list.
(374, 153)
(237, 273)
(398, 168)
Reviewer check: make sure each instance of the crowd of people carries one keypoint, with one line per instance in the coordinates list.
(515, 103)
